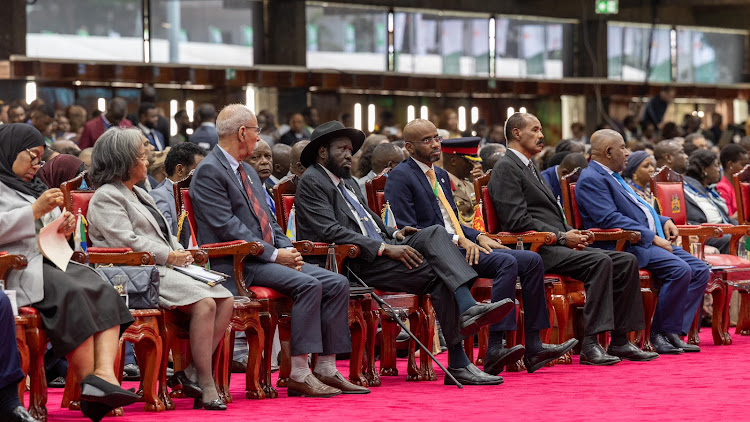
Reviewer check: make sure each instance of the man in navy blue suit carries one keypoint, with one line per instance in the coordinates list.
(606, 201)
(420, 196)
(149, 117)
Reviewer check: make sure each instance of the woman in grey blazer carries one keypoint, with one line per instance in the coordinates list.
(123, 215)
(82, 314)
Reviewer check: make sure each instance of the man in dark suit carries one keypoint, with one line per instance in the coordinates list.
(205, 135)
(228, 203)
(330, 208)
(606, 201)
(262, 162)
(297, 131)
(148, 117)
(524, 202)
(420, 195)
(114, 117)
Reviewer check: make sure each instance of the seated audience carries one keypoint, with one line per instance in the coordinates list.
(114, 117)
(182, 120)
(330, 209)
(385, 155)
(295, 166)
(60, 169)
(421, 196)
(554, 174)
(148, 118)
(733, 159)
(179, 162)
(297, 130)
(17, 112)
(704, 203)
(670, 154)
(66, 147)
(490, 153)
(523, 202)
(85, 156)
(461, 162)
(638, 171)
(225, 192)
(83, 316)
(606, 201)
(361, 164)
(43, 119)
(205, 135)
(262, 163)
(156, 169)
(122, 215)
(280, 155)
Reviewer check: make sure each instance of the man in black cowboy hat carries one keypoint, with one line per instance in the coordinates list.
(330, 208)
(229, 204)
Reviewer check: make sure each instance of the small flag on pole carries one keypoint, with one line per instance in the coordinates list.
(478, 222)
(291, 226)
(80, 232)
(387, 215)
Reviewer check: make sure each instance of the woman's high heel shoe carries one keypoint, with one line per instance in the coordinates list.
(189, 388)
(215, 404)
(95, 389)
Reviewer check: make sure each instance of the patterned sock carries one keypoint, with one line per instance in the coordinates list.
(326, 365)
(300, 368)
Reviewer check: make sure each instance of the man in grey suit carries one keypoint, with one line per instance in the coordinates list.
(330, 208)
(181, 160)
(228, 203)
(524, 202)
(205, 135)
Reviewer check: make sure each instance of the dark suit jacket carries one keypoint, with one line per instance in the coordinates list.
(223, 211)
(412, 201)
(523, 203)
(604, 203)
(290, 138)
(323, 215)
(205, 135)
(550, 176)
(94, 128)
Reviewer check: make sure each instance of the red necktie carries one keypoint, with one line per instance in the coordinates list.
(265, 226)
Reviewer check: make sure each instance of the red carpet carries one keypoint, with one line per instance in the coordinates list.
(711, 385)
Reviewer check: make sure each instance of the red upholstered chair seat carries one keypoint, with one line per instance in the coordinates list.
(727, 260)
(266, 293)
(488, 211)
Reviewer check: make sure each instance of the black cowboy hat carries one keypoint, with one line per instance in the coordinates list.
(326, 132)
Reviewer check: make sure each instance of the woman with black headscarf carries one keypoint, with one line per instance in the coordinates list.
(82, 314)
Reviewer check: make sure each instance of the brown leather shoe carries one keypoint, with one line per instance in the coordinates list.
(338, 381)
(310, 388)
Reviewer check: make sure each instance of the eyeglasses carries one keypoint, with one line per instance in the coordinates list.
(255, 129)
(34, 157)
(430, 139)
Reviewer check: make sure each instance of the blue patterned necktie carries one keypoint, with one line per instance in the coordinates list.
(372, 231)
(657, 224)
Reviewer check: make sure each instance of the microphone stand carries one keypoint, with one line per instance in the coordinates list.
(392, 312)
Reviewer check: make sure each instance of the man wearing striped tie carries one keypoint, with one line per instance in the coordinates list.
(420, 194)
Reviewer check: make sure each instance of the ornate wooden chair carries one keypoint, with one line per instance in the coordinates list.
(554, 288)
(417, 308)
(666, 184)
(257, 318)
(741, 183)
(146, 333)
(649, 293)
(8, 263)
(361, 362)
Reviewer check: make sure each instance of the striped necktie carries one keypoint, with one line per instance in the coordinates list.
(438, 191)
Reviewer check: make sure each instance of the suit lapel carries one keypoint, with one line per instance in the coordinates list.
(531, 178)
(342, 203)
(621, 189)
(422, 178)
(147, 215)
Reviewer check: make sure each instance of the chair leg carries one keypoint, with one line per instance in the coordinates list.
(163, 391)
(285, 334)
(368, 363)
(484, 337)
(743, 321)
(357, 328)
(416, 319)
(562, 311)
(429, 325)
(255, 344)
(720, 322)
(221, 361)
(649, 308)
(149, 350)
(388, 347)
(23, 351)
(37, 341)
(693, 334)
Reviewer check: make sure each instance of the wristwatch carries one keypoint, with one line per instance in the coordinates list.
(381, 249)
(562, 238)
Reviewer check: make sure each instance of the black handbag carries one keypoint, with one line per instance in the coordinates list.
(143, 284)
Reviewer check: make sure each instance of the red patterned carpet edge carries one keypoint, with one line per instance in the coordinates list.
(710, 385)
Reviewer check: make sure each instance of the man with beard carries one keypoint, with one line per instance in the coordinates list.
(421, 195)
(228, 205)
(524, 202)
(330, 208)
(148, 117)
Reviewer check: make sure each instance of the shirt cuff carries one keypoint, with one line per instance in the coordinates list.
(273, 256)
(455, 239)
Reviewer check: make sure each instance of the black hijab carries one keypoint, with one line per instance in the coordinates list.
(14, 139)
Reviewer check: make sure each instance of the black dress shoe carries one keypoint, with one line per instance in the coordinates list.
(497, 358)
(96, 390)
(593, 354)
(189, 388)
(676, 341)
(549, 353)
(483, 314)
(663, 346)
(20, 414)
(58, 382)
(95, 411)
(471, 375)
(629, 351)
(215, 404)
